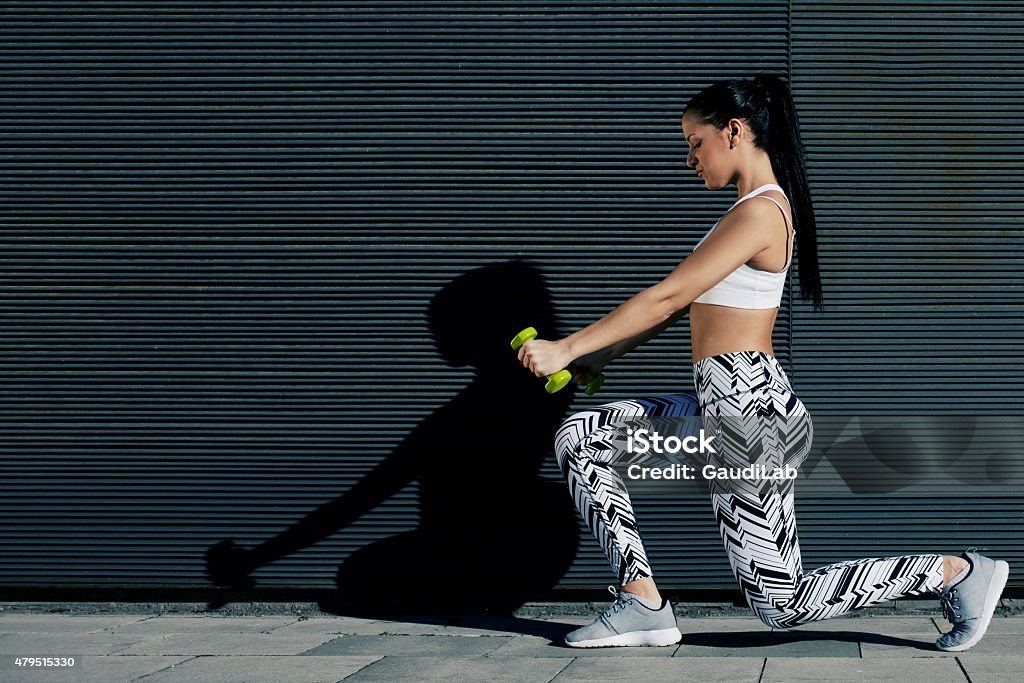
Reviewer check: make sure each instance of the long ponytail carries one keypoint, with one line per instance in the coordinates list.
(766, 104)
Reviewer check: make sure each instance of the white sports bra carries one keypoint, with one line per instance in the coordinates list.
(748, 287)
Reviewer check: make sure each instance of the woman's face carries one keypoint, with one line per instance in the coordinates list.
(709, 152)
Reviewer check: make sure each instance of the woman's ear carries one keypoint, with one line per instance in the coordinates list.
(735, 131)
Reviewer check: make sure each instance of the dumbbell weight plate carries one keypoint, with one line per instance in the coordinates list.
(594, 384)
(558, 381)
(523, 337)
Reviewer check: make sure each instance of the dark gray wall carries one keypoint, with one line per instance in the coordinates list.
(910, 116)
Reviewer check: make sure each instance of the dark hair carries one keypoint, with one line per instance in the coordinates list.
(766, 104)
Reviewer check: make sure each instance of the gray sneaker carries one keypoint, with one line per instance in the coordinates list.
(628, 623)
(969, 603)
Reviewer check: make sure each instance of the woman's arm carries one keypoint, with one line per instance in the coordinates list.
(586, 366)
(740, 236)
(623, 347)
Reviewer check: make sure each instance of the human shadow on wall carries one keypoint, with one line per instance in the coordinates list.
(493, 533)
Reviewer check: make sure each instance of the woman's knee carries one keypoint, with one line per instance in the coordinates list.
(771, 613)
(576, 430)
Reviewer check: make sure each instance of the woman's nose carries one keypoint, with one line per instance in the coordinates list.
(691, 160)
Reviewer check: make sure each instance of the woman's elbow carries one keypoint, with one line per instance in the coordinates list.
(669, 303)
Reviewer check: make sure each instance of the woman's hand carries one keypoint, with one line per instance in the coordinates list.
(544, 358)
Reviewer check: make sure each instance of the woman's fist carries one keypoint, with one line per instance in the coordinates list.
(544, 358)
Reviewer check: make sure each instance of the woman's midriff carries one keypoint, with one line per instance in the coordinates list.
(715, 330)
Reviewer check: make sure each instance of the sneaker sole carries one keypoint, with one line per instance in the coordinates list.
(995, 589)
(659, 638)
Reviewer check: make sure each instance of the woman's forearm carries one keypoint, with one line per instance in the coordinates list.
(631, 319)
(627, 345)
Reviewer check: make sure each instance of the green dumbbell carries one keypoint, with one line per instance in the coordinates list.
(560, 379)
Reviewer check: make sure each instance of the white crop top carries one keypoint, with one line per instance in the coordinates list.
(748, 287)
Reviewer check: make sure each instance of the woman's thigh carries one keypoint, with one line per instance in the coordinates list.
(601, 431)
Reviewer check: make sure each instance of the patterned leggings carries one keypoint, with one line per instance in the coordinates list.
(757, 525)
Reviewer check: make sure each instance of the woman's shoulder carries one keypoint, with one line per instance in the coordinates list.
(768, 205)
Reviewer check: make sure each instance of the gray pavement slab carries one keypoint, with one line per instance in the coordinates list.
(64, 644)
(346, 626)
(655, 669)
(62, 623)
(184, 646)
(990, 644)
(782, 670)
(721, 625)
(226, 644)
(272, 669)
(91, 669)
(427, 646)
(999, 625)
(528, 670)
(483, 626)
(540, 646)
(919, 626)
(200, 624)
(771, 644)
(992, 668)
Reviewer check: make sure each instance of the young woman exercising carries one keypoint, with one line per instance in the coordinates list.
(743, 133)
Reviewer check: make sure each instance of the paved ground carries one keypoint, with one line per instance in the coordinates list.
(185, 642)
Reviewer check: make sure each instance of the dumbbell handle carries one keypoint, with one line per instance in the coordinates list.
(560, 379)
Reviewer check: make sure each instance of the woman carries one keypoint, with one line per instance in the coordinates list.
(743, 133)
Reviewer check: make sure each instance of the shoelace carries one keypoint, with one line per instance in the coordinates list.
(950, 602)
(949, 599)
(620, 601)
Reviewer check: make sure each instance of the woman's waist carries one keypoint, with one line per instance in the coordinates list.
(718, 330)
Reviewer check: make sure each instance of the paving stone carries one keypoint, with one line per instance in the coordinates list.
(125, 647)
(337, 626)
(427, 646)
(482, 626)
(197, 624)
(999, 625)
(722, 625)
(992, 668)
(771, 644)
(228, 644)
(923, 626)
(782, 670)
(90, 669)
(527, 670)
(1006, 625)
(741, 670)
(990, 644)
(271, 669)
(65, 644)
(537, 646)
(62, 623)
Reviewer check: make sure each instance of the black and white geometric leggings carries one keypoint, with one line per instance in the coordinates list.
(759, 528)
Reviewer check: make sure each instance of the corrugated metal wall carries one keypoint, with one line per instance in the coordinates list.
(911, 120)
(245, 268)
